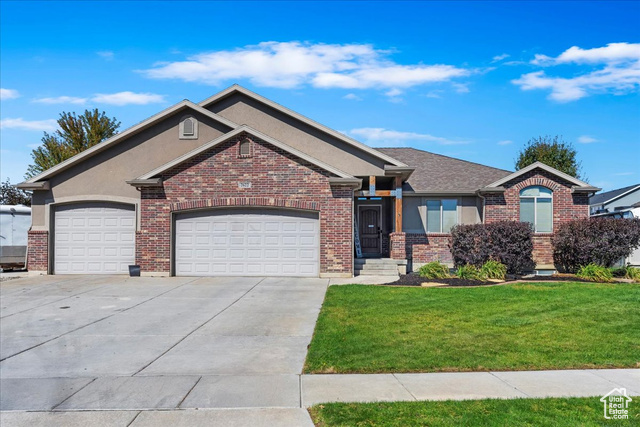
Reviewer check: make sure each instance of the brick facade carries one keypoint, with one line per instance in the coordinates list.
(566, 207)
(38, 251)
(398, 245)
(424, 248)
(278, 179)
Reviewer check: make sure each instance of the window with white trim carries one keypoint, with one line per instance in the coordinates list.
(189, 128)
(441, 215)
(536, 208)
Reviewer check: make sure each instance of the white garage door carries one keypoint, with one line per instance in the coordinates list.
(94, 238)
(247, 242)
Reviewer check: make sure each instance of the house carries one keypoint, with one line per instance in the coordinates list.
(621, 203)
(240, 185)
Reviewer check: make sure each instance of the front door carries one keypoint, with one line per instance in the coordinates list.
(369, 222)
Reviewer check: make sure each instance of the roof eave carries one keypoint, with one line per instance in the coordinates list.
(355, 183)
(139, 183)
(34, 186)
(542, 166)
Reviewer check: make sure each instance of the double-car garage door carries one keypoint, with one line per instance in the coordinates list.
(247, 242)
(99, 238)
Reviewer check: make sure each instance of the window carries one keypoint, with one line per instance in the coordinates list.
(245, 147)
(441, 215)
(536, 207)
(188, 128)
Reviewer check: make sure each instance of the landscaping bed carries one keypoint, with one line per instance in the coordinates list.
(516, 326)
(414, 279)
(574, 411)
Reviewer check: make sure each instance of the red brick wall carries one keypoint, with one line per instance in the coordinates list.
(277, 179)
(38, 250)
(566, 206)
(424, 248)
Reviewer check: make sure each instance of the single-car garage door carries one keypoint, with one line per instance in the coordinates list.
(247, 242)
(94, 238)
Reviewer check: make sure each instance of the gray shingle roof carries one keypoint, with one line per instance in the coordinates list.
(608, 195)
(436, 173)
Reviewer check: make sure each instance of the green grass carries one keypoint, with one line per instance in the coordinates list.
(492, 412)
(369, 329)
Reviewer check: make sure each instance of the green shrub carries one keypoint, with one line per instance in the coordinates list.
(627, 273)
(494, 270)
(470, 272)
(434, 270)
(595, 273)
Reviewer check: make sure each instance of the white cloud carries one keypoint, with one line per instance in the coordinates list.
(106, 54)
(127, 98)
(8, 94)
(499, 58)
(619, 72)
(505, 142)
(352, 97)
(37, 125)
(294, 64)
(386, 137)
(393, 92)
(586, 139)
(61, 100)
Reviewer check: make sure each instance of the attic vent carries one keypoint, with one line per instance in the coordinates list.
(189, 128)
(245, 147)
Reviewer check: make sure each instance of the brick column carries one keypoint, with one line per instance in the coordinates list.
(398, 245)
(38, 251)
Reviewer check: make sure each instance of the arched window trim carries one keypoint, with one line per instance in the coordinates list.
(184, 134)
(544, 193)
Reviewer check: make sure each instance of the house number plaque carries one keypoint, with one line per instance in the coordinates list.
(246, 184)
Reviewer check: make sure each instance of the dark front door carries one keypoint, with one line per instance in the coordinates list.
(370, 229)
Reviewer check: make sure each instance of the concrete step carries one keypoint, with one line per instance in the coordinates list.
(386, 272)
(376, 266)
(375, 261)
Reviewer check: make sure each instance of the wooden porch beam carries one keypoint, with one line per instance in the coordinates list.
(378, 193)
(398, 194)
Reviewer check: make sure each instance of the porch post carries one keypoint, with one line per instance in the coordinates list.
(398, 191)
(398, 240)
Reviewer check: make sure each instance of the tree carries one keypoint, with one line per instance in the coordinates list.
(10, 195)
(76, 134)
(552, 152)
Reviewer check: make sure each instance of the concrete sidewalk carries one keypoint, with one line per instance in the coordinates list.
(466, 385)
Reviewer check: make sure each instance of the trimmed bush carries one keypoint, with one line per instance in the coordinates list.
(507, 242)
(470, 272)
(601, 241)
(434, 270)
(595, 273)
(494, 270)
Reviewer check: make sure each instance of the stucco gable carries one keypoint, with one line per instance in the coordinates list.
(149, 178)
(183, 107)
(246, 107)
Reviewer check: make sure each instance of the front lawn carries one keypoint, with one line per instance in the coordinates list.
(491, 412)
(369, 329)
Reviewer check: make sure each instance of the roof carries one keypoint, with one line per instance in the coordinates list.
(239, 89)
(577, 183)
(435, 173)
(226, 137)
(186, 104)
(608, 196)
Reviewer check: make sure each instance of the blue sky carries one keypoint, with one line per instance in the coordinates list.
(470, 80)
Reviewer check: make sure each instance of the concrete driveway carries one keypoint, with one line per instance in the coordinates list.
(118, 343)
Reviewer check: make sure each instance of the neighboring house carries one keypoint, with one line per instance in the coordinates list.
(240, 185)
(620, 203)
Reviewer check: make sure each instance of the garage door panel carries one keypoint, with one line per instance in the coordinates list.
(248, 242)
(94, 238)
